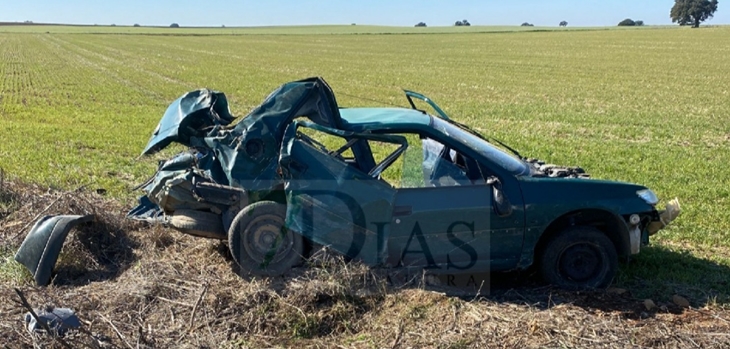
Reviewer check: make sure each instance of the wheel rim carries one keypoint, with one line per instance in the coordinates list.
(266, 240)
(580, 262)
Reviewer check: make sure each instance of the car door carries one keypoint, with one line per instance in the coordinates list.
(330, 200)
(447, 221)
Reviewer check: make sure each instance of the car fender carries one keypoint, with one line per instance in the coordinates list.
(41, 247)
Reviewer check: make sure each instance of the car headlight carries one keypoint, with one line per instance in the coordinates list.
(648, 196)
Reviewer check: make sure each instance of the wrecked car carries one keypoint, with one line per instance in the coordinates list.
(391, 187)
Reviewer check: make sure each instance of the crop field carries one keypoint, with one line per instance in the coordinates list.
(649, 105)
(284, 30)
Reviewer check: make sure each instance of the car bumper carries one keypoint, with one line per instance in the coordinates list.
(666, 216)
(639, 236)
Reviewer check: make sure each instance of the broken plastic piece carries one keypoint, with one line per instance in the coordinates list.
(40, 249)
(665, 217)
(59, 320)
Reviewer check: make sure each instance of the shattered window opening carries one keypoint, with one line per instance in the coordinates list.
(333, 145)
(441, 165)
(506, 160)
(381, 151)
(393, 150)
(429, 163)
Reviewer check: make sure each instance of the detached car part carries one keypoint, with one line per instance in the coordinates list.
(41, 247)
(58, 320)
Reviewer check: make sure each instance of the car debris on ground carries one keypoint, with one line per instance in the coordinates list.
(58, 320)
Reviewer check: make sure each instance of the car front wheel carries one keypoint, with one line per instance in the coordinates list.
(579, 257)
(260, 242)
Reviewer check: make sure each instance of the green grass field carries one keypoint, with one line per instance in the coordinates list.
(649, 106)
(281, 30)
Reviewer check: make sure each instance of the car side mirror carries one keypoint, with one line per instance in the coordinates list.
(501, 204)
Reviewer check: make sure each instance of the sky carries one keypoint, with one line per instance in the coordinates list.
(313, 12)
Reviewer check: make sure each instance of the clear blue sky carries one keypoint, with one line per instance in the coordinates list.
(378, 12)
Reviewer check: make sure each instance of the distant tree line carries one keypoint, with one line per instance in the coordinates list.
(421, 24)
(528, 24)
(464, 23)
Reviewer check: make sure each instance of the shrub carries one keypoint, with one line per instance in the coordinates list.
(627, 23)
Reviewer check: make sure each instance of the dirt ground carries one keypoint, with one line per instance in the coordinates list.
(136, 286)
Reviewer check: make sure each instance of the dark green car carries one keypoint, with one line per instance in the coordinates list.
(392, 187)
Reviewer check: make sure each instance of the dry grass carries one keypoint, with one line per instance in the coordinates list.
(142, 287)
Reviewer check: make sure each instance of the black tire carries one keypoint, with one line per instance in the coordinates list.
(198, 223)
(260, 243)
(578, 258)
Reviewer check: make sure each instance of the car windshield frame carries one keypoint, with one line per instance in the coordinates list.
(505, 160)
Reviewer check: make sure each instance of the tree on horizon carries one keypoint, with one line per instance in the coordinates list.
(628, 22)
(692, 12)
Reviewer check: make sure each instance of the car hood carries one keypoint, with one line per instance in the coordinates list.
(565, 194)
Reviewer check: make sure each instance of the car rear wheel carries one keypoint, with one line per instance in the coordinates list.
(579, 257)
(260, 242)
